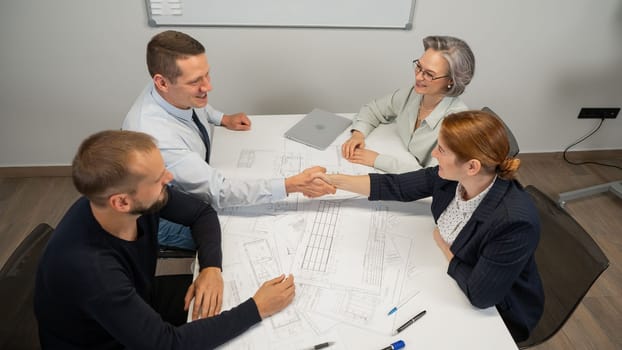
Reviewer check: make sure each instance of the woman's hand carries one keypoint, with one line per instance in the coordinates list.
(364, 157)
(356, 141)
(440, 242)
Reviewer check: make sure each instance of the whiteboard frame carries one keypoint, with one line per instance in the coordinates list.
(178, 21)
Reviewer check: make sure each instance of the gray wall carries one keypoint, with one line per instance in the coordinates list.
(69, 68)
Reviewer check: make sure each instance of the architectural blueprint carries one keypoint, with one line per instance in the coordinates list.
(346, 274)
(352, 259)
(349, 257)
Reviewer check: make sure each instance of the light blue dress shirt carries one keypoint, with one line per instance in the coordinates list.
(183, 151)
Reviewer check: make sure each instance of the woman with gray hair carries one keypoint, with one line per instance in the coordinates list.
(441, 75)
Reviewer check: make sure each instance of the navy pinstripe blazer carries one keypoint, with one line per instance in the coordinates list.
(493, 260)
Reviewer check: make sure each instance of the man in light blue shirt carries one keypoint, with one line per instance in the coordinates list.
(173, 109)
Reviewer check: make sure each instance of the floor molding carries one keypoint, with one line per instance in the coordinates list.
(35, 171)
(579, 156)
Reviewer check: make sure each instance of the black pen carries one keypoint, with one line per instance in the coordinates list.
(411, 321)
(321, 346)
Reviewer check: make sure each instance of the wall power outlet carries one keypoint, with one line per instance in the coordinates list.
(598, 113)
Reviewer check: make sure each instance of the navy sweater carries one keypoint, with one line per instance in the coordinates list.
(93, 289)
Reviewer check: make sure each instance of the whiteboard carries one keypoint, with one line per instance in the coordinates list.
(396, 14)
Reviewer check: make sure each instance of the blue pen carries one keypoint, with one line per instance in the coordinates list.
(402, 303)
(395, 346)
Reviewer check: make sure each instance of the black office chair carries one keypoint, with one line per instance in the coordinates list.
(569, 262)
(514, 149)
(166, 252)
(174, 261)
(18, 325)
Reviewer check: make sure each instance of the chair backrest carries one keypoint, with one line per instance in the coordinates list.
(514, 149)
(174, 261)
(18, 325)
(569, 262)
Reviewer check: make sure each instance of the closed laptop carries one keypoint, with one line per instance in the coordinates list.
(318, 129)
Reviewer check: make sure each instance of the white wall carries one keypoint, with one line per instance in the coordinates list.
(70, 68)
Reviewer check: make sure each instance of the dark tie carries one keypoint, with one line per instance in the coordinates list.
(204, 135)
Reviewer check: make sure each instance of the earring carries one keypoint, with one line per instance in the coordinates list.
(449, 86)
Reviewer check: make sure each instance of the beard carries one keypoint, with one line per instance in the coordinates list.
(155, 207)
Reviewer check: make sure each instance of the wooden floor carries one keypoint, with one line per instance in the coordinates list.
(597, 322)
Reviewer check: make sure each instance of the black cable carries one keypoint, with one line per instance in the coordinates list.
(583, 139)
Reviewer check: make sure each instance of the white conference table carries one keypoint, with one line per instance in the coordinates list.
(395, 248)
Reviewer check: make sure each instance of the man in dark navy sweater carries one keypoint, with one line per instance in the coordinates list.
(96, 286)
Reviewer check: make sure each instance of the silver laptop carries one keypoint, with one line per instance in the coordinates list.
(318, 129)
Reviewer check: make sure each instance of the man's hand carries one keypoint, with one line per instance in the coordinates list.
(274, 295)
(309, 183)
(440, 242)
(364, 157)
(207, 293)
(356, 141)
(238, 121)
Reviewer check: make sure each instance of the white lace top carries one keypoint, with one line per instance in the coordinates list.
(458, 212)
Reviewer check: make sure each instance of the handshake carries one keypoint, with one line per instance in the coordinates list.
(312, 182)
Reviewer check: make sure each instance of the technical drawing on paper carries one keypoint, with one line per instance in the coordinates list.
(255, 263)
(338, 255)
(374, 253)
(270, 163)
(263, 262)
(288, 163)
(317, 250)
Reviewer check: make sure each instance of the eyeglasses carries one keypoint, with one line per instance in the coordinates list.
(426, 74)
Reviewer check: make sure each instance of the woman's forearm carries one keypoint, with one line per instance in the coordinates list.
(352, 183)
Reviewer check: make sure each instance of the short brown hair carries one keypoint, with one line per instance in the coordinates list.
(102, 163)
(482, 136)
(165, 48)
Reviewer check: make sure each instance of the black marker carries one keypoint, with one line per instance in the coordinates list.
(321, 346)
(411, 321)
